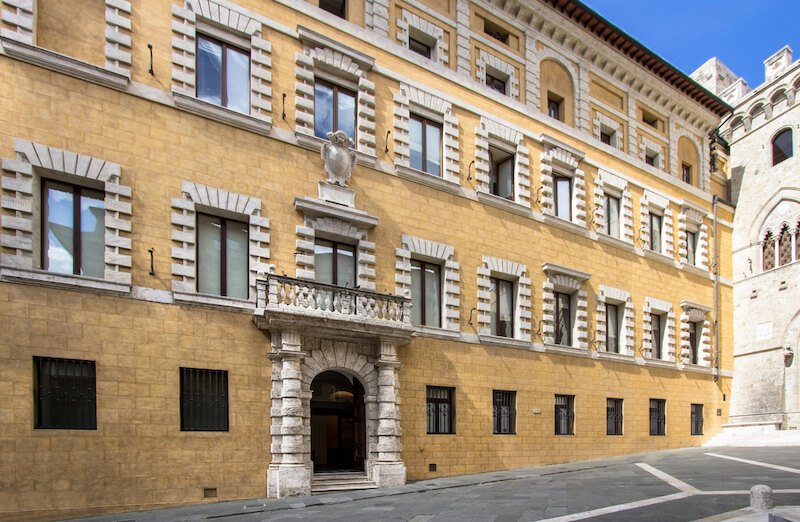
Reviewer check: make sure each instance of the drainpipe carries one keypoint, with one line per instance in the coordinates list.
(716, 293)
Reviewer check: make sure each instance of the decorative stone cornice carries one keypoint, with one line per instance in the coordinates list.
(314, 39)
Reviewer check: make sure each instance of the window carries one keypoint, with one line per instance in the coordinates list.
(426, 293)
(64, 394)
(612, 327)
(686, 173)
(651, 158)
(420, 47)
(223, 74)
(656, 222)
(504, 412)
(650, 119)
(658, 417)
(768, 252)
(335, 263)
(495, 31)
(494, 82)
(782, 148)
(613, 416)
(694, 341)
(563, 319)
(554, 106)
(501, 173)
(335, 7)
(425, 138)
(334, 109)
(204, 400)
(73, 229)
(222, 256)
(605, 137)
(562, 197)
(441, 410)
(612, 216)
(697, 419)
(657, 335)
(691, 247)
(784, 247)
(502, 303)
(565, 415)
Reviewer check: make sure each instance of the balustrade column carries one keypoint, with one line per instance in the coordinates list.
(389, 469)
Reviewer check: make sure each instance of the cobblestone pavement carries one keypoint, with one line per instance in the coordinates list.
(676, 485)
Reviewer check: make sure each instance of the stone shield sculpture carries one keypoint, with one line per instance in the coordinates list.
(339, 158)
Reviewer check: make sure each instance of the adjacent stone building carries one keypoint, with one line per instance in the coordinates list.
(272, 247)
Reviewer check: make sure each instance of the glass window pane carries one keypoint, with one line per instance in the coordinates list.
(782, 147)
(323, 261)
(433, 148)
(346, 115)
(59, 228)
(92, 234)
(209, 70)
(345, 266)
(655, 233)
(612, 327)
(505, 181)
(493, 301)
(612, 216)
(563, 198)
(236, 260)
(415, 143)
(209, 258)
(238, 80)
(691, 245)
(323, 110)
(506, 309)
(416, 292)
(432, 282)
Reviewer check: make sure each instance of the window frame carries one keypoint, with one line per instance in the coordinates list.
(608, 198)
(497, 282)
(554, 101)
(657, 341)
(606, 137)
(502, 398)
(697, 421)
(615, 417)
(425, 123)
(223, 261)
(420, 43)
(493, 81)
(556, 207)
(691, 247)
(783, 154)
(569, 408)
(617, 325)
(336, 88)
(686, 173)
(184, 391)
(559, 298)
(659, 241)
(69, 396)
(450, 401)
(494, 171)
(695, 331)
(658, 417)
(343, 16)
(335, 265)
(223, 68)
(423, 315)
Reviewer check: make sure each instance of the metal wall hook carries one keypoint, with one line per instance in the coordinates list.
(151, 71)
(151, 251)
(386, 139)
(469, 170)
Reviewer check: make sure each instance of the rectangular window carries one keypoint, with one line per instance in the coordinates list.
(650, 119)
(64, 394)
(222, 256)
(502, 303)
(655, 232)
(694, 341)
(426, 293)
(335, 263)
(334, 109)
(441, 410)
(495, 31)
(612, 216)
(691, 247)
(420, 47)
(651, 159)
(563, 319)
(501, 173)
(223, 74)
(658, 417)
(494, 82)
(73, 229)
(204, 400)
(605, 137)
(425, 142)
(335, 7)
(686, 173)
(562, 196)
(554, 105)
(697, 419)
(565, 415)
(657, 333)
(613, 416)
(612, 327)
(504, 412)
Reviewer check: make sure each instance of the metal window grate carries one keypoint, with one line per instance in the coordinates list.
(613, 416)
(697, 419)
(65, 394)
(204, 400)
(658, 417)
(565, 415)
(441, 410)
(504, 412)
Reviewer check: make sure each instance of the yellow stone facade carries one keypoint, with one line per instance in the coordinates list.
(141, 335)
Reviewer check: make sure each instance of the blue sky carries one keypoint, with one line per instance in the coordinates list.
(741, 33)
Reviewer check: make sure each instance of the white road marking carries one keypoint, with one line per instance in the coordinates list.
(669, 479)
(619, 507)
(756, 463)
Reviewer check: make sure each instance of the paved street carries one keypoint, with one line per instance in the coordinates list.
(688, 484)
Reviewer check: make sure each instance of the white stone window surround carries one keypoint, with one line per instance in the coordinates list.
(622, 299)
(410, 99)
(568, 281)
(322, 56)
(561, 161)
(648, 147)
(654, 306)
(510, 271)
(504, 137)
(690, 219)
(412, 25)
(579, 77)
(486, 62)
(603, 123)
(426, 250)
(197, 198)
(695, 313)
(658, 204)
(607, 183)
(21, 218)
(234, 25)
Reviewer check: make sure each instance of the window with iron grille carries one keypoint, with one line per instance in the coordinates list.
(441, 410)
(204, 400)
(64, 394)
(658, 417)
(565, 415)
(613, 416)
(504, 412)
(697, 419)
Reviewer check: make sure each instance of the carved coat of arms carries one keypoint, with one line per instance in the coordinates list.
(339, 158)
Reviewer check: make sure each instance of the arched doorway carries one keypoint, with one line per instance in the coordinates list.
(338, 425)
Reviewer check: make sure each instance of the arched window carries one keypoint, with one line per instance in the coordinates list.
(782, 146)
(784, 246)
(768, 252)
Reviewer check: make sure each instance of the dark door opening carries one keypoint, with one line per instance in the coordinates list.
(338, 426)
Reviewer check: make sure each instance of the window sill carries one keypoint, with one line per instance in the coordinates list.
(567, 350)
(617, 357)
(436, 333)
(315, 143)
(697, 368)
(696, 270)
(661, 258)
(221, 114)
(660, 363)
(430, 180)
(504, 204)
(63, 64)
(567, 225)
(616, 242)
(214, 301)
(43, 278)
(504, 341)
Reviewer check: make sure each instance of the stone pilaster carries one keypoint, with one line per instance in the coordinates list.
(389, 469)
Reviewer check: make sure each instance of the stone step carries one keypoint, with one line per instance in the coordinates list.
(344, 481)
